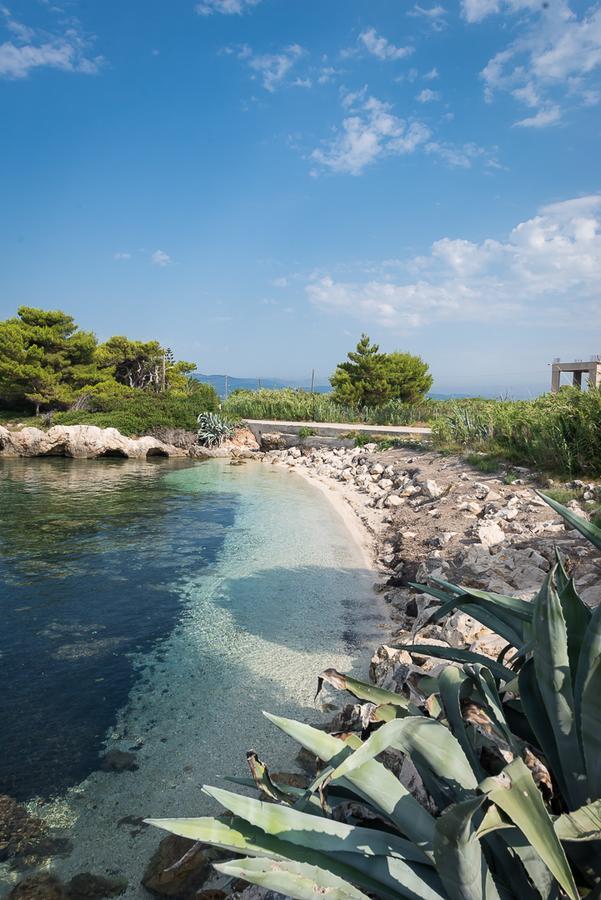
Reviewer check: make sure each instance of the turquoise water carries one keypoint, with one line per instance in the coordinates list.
(158, 607)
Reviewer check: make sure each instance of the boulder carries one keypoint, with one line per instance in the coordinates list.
(82, 442)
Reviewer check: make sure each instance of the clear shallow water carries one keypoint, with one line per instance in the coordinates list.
(160, 606)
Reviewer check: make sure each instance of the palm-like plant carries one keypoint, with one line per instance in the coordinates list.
(509, 751)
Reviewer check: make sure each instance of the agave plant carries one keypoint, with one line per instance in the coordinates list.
(213, 429)
(509, 751)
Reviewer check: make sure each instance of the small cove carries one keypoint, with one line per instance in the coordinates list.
(156, 608)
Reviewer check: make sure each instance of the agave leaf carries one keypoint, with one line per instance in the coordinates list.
(583, 824)
(372, 782)
(312, 832)
(452, 684)
(552, 667)
(458, 854)
(507, 608)
(487, 689)
(263, 782)
(363, 691)
(590, 532)
(588, 702)
(536, 714)
(430, 745)
(379, 875)
(577, 616)
(477, 609)
(293, 879)
(462, 656)
(515, 792)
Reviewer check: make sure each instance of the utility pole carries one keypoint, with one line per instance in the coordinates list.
(312, 379)
(226, 387)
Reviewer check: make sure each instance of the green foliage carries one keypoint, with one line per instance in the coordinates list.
(142, 364)
(295, 405)
(305, 433)
(509, 752)
(213, 429)
(370, 378)
(47, 363)
(556, 432)
(135, 412)
(44, 359)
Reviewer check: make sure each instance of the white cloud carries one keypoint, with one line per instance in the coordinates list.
(431, 75)
(30, 49)
(542, 118)
(273, 67)
(434, 15)
(160, 258)
(427, 96)
(226, 7)
(546, 271)
(551, 59)
(121, 256)
(432, 12)
(373, 132)
(381, 48)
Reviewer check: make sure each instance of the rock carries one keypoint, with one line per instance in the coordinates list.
(86, 886)
(38, 887)
(272, 440)
(491, 534)
(166, 879)
(82, 442)
(393, 500)
(118, 761)
(20, 832)
(480, 490)
(432, 490)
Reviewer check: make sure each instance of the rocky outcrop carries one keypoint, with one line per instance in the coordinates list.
(92, 442)
(82, 442)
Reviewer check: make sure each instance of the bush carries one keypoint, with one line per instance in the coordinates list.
(507, 750)
(556, 432)
(137, 412)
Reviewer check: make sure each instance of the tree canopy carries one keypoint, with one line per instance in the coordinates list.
(371, 378)
(48, 363)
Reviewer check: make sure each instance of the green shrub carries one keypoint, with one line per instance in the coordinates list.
(136, 412)
(508, 750)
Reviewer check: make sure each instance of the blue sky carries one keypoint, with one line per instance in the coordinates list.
(255, 182)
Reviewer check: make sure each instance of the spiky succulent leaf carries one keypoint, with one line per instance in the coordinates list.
(458, 854)
(590, 532)
(515, 792)
(293, 879)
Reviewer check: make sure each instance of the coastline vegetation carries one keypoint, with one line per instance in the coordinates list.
(51, 368)
(508, 751)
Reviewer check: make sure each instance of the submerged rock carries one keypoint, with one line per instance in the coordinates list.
(178, 868)
(118, 761)
(39, 887)
(86, 886)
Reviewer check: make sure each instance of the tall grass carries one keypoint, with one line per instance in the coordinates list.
(556, 432)
(301, 406)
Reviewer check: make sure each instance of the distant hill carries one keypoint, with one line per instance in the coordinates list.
(252, 384)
